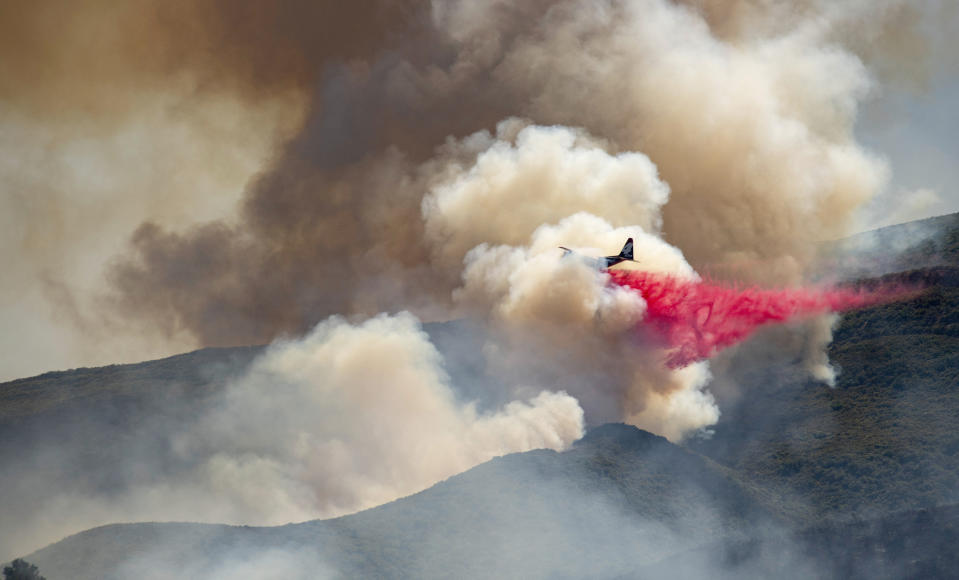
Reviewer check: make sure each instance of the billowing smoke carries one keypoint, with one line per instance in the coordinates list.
(753, 137)
(348, 417)
(354, 416)
(433, 157)
(151, 111)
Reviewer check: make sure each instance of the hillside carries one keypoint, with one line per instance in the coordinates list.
(619, 498)
(622, 503)
(97, 433)
(922, 243)
(885, 438)
(73, 433)
(912, 544)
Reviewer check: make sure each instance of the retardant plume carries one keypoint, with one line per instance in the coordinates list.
(695, 319)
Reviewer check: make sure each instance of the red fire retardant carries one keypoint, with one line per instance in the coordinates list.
(695, 320)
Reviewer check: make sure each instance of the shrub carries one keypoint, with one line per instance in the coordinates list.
(21, 570)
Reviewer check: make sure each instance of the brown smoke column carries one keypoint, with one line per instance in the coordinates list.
(337, 216)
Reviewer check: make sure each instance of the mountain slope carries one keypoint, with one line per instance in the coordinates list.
(622, 503)
(885, 438)
(619, 498)
(912, 544)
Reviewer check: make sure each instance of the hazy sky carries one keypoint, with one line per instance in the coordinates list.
(917, 132)
(913, 120)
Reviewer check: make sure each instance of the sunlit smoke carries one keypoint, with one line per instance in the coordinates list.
(353, 416)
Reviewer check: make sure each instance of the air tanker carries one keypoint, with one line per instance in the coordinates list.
(606, 262)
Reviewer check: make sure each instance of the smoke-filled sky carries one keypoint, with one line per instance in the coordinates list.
(178, 175)
(185, 174)
(326, 176)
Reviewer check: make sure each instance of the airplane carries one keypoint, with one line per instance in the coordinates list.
(604, 263)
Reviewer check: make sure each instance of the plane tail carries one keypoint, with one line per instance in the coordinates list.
(627, 251)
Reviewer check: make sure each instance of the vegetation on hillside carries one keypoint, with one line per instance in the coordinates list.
(21, 570)
(885, 438)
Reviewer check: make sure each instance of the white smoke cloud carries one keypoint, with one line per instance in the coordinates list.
(354, 416)
(559, 321)
(346, 418)
(349, 417)
(753, 135)
(529, 176)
